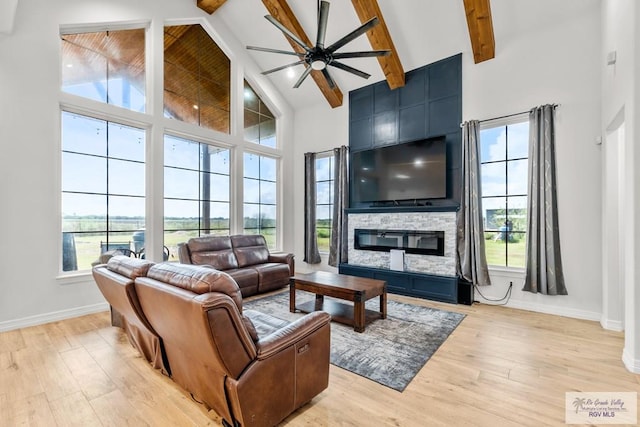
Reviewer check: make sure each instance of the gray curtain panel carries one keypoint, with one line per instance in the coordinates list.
(471, 261)
(338, 251)
(311, 253)
(544, 265)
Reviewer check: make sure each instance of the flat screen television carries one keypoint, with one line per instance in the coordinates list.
(410, 171)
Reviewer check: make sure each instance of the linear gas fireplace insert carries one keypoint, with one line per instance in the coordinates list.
(412, 241)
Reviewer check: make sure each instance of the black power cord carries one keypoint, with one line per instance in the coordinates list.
(490, 301)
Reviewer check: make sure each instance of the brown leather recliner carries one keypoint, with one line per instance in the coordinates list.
(115, 280)
(216, 354)
(246, 258)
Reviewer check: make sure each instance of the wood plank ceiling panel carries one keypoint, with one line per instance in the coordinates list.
(281, 11)
(480, 26)
(210, 6)
(380, 39)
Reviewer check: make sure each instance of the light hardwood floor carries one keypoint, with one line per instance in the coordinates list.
(500, 367)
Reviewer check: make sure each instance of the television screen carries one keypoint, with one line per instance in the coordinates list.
(410, 171)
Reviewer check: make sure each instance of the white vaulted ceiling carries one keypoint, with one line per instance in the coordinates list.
(423, 31)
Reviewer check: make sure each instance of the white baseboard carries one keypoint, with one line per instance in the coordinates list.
(558, 311)
(52, 317)
(611, 325)
(633, 365)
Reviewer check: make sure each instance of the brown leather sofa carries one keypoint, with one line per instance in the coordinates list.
(212, 347)
(246, 258)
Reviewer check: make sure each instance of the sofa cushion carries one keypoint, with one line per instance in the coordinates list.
(197, 279)
(215, 251)
(129, 267)
(244, 240)
(220, 260)
(209, 243)
(250, 249)
(272, 275)
(246, 278)
(251, 255)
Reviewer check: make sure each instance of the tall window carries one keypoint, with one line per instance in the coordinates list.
(504, 163)
(324, 201)
(106, 66)
(104, 92)
(259, 122)
(260, 196)
(196, 191)
(103, 188)
(197, 78)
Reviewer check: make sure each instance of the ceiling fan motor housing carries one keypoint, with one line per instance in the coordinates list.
(318, 58)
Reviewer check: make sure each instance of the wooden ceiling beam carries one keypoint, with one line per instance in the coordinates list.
(210, 6)
(480, 26)
(281, 11)
(380, 39)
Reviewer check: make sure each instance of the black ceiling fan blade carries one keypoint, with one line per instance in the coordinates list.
(369, 54)
(354, 34)
(350, 69)
(288, 33)
(266, 49)
(332, 83)
(323, 17)
(304, 75)
(273, 70)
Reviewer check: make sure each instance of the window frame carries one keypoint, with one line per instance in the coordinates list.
(108, 120)
(277, 204)
(325, 155)
(154, 123)
(201, 142)
(504, 122)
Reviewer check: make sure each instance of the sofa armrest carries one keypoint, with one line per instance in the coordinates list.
(284, 258)
(184, 255)
(288, 335)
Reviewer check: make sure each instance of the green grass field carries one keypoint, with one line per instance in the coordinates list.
(496, 251)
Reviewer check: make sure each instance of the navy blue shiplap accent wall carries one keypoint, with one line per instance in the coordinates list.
(429, 105)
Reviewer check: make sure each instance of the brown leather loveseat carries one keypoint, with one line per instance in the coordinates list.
(211, 345)
(246, 258)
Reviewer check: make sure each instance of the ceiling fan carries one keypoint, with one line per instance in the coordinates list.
(318, 57)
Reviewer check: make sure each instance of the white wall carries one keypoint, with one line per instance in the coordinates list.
(557, 63)
(316, 129)
(30, 290)
(621, 104)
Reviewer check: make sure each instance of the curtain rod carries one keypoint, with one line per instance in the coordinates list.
(330, 150)
(510, 115)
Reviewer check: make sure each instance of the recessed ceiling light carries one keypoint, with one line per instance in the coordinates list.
(195, 107)
(290, 73)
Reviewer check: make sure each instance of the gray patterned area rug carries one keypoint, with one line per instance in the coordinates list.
(389, 351)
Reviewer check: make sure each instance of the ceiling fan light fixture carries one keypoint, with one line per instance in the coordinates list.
(318, 64)
(319, 57)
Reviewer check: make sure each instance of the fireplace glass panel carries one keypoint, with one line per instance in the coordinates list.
(411, 241)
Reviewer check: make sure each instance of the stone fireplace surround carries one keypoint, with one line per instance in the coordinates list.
(419, 221)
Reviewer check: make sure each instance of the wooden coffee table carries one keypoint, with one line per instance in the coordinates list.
(340, 286)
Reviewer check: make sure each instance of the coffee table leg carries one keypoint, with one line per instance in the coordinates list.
(319, 302)
(292, 295)
(358, 313)
(383, 305)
